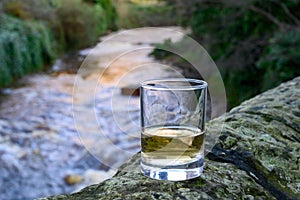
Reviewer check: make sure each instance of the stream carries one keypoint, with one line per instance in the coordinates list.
(43, 150)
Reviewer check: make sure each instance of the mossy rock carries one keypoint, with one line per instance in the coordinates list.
(256, 157)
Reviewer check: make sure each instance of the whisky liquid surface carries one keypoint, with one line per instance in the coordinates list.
(172, 145)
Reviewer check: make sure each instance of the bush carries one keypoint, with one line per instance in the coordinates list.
(25, 47)
(182, 10)
(75, 23)
(134, 15)
(81, 23)
(31, 9)
(33, 32)
(109, 9)
(110, 13)
(281, 58)
(254, 42)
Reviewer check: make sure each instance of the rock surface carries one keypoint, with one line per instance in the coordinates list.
(256, 157)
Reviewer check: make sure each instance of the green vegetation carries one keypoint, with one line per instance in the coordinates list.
(281, 59)
(34, 32)
(133, 15)
(256, 44)
(111, 13)
(81, 23)
(24, 47)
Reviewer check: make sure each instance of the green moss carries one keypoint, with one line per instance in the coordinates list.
(200, 182)
(230, 142)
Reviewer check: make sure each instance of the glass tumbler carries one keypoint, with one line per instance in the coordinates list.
(173, 128)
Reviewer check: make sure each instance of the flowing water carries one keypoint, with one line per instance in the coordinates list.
(43, 150)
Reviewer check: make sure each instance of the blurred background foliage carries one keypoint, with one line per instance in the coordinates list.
(24, 47)
(34, 32)
(255, 43)
(133, 14)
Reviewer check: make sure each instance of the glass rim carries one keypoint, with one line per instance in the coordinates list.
(150, 84)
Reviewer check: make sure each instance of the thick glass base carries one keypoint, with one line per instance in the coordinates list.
(173, 173)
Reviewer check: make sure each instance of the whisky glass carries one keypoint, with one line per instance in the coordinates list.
(172, 128)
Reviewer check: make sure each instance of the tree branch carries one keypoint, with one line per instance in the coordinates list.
(281, 25)
(288, 13)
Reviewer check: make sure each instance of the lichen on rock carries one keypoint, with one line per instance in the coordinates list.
(256, 157)
(265, 133)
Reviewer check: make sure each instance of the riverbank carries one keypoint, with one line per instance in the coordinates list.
(40, 149)
(31, 38)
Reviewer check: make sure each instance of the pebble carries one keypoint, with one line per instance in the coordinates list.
(73, 179)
